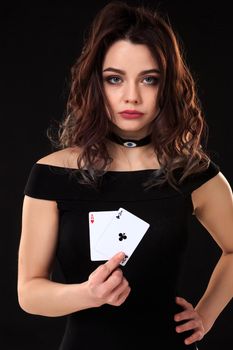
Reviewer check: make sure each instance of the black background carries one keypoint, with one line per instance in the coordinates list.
(39, 44)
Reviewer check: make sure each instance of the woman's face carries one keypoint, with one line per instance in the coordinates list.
(131, 81)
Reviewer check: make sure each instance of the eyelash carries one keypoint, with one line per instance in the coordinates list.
(109, 78)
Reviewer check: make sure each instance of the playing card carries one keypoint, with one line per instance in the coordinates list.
(123, 234)
(98, 220)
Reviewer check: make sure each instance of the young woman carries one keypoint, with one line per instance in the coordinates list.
(133, 139)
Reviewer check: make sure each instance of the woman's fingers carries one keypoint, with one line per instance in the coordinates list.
(184, 303)
(184, 315)
(107, 285)
(119, 294)
(104, 270)
(195, 336)
(187, 326)
(191, 320)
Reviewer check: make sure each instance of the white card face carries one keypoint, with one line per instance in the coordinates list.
(98, 220)
(123, 234)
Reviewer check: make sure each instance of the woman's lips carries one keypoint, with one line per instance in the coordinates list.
(131, 115)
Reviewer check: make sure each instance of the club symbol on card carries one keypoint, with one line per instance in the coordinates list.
(119, 214)
(122, 236)
(125, 258)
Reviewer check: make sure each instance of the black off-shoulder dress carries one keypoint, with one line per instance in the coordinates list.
(145, 320)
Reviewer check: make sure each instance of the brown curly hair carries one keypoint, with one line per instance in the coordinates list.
(180, 129)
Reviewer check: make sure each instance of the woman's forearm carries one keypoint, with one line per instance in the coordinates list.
(218, 293)
(105, 285)
(41, 296)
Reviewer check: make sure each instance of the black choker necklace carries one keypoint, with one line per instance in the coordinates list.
(128, 142)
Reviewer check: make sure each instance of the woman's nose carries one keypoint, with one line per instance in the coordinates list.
(132, 94)
(135, 101)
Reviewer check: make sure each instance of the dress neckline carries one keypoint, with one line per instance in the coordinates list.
(108, 171)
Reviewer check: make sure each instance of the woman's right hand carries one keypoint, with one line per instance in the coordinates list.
(107, 285)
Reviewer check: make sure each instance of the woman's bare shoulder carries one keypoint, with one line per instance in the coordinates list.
(217, 187)
(63, 158)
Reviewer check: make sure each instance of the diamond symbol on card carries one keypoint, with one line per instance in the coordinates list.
(122, 236)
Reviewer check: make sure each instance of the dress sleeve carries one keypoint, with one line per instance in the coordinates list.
(44, 182)
(196, 180)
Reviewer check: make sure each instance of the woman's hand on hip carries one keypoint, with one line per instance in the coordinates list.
(191, 321)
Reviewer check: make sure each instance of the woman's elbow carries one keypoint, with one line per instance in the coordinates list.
(24, 299)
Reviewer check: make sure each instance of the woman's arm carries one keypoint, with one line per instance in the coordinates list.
(39, 295)
(213, 205)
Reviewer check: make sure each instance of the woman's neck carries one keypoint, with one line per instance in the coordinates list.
(132, 158)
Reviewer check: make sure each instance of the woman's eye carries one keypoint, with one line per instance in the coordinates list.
(113, 80)
(151, 80)
(116, 80)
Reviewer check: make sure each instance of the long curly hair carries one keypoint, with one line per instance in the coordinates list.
(179, 133)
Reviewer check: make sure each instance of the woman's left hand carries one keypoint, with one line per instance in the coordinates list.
(191, 321)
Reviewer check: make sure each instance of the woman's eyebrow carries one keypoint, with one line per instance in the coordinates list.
(120, 71)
